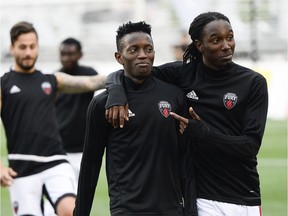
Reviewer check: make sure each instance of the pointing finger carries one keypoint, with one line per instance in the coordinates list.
(194, 114)
(179, 118)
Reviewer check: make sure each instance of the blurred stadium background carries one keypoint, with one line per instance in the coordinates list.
(260, 28)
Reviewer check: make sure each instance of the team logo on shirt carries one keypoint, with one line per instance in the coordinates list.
(164, 108)
(16, 207)
(46, 86)
(192, 95)
(15, 89)
(130, 113)
(230, 100)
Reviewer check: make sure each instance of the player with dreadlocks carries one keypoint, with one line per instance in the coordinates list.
(231, 103)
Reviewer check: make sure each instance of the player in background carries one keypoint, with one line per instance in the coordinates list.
(38, 164)
(71, 108)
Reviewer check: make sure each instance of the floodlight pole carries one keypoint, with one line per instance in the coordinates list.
(253, 31)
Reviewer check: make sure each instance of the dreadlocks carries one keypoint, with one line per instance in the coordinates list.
(196, 33)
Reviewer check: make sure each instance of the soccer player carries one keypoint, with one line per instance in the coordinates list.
(142, 159)
(71, 108)
(37, 161)
(229, 105)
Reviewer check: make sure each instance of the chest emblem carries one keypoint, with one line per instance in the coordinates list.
(164, 108)
(46, 87)
(230, 100)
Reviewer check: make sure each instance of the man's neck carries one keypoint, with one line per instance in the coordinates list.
(18, 69)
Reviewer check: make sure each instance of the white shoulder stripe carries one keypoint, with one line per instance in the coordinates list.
(36, 158)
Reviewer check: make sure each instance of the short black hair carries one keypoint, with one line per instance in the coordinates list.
(196, 33)
(131, 27)
(19, 28)
(73, 41)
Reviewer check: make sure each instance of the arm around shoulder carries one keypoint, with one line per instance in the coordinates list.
(78, 84)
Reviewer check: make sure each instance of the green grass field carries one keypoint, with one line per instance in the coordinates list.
(272, 169)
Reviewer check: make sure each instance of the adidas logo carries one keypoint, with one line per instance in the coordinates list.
(15, 89)
(130, 114)
(192, 95)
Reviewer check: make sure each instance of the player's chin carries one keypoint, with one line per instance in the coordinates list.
(225, 63)
(28, 64)
(27, 67)
(144, 71)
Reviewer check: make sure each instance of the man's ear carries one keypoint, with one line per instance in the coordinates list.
(12, 50)
(117, 56)
(80, 55)
(198, 45)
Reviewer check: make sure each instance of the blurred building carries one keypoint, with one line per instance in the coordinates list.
(260, 28)
(260, 25)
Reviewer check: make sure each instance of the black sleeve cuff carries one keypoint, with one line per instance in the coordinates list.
(116, 97)
(196, 129)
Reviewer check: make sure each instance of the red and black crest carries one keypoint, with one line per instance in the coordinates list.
(164, 108)
(16, 207)
(46, 86)
(230, 100)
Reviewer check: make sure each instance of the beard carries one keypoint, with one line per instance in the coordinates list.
(26, 67)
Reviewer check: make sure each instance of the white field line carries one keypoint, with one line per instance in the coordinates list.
(272, 162)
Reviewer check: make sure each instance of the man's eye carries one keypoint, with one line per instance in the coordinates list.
(230, 37)
(133, 50)
(150, 50)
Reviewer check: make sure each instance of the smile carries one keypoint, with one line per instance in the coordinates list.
(227, 57)
(142, 64)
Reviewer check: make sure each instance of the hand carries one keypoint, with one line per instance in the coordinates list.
(117, 114)
(6, 176)
(184, 121)
(194, 114)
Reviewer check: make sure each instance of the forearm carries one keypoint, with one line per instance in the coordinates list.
(93, 151)
(241, 146)
(244, 146)
(168, 72)
(117, 95)
(78, 84)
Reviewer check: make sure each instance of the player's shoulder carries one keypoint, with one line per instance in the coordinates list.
(5, 79)
(87, 70)
(5, 75)
(100, 99)
(47, 76)
(167, 86)
(248, 73)
(170, 65)
(97, 104)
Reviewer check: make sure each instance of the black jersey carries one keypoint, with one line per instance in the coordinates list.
(29, 118)
(233, 105)
(71, 113)
(142, 159)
